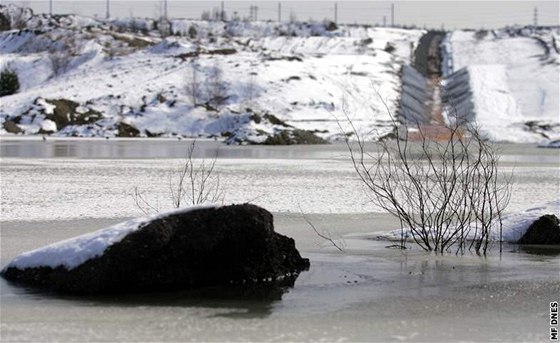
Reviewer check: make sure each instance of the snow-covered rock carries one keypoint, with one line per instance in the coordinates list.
(545, 230)
(186, 248)
(551, 144)
(514, 225)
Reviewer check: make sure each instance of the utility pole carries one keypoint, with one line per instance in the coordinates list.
(108, 13)
(222, 13)
(336, 13)
(253, 15)
(384, 21)
(279, 12)
(536, 17)
(165, 9)
(392, 15)
(50, 7)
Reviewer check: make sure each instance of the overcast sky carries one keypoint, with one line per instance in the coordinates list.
(432, 14)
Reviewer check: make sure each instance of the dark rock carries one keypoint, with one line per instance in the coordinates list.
(66, 113)
(232, 245)
(296, 136)
(545, 230)
(274, 120)
(126, 130)
(331, 26)
(11, 127)
(4, 23)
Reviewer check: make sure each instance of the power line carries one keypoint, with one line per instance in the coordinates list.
(336, 13)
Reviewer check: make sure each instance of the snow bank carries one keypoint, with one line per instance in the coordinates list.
(75, 251)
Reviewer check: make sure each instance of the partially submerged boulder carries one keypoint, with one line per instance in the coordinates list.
(184, 249)
(545, 230)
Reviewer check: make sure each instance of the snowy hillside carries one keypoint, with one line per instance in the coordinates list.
(256, 82)
(514, 78)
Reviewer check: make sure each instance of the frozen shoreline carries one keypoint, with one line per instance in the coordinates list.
(64, 179)
(369, 293)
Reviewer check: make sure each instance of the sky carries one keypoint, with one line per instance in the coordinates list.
(429, 14)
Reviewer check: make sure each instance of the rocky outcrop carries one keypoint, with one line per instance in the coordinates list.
(230, 245)
(545, 230)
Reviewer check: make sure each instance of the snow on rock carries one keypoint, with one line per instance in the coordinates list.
(75, 251)
(189, 248)
(514, 225)
(550, 144)
(48, 125)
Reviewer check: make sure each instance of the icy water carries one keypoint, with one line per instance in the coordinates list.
(54, 190)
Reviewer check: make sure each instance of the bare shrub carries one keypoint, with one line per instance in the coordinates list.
(193, 83)
(192, 183)
(324, 234)
(9, 81)
(164, 27)
(60, 62)
(447, 193)
(133, 25)
(250, 88)
(17, 18)
(215, 86)
(205, 16)
(60, 59)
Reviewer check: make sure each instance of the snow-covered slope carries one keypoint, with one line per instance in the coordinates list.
(251, 80)
(514, 78)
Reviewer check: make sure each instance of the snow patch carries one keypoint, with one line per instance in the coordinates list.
(48, 125)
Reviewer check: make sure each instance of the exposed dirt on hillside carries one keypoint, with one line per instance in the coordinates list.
(428, 61)
(427, 57)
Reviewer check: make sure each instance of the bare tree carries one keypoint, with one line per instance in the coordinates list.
(193, 82)
(165, 27)
(17, 18)
(250, 89)
(326, 235)
(445, 193)
(61, 57)
(205, 16)
(215, 86)
(194, 182)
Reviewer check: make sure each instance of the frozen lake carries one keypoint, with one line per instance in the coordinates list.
(57, 189)
(68, 178)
